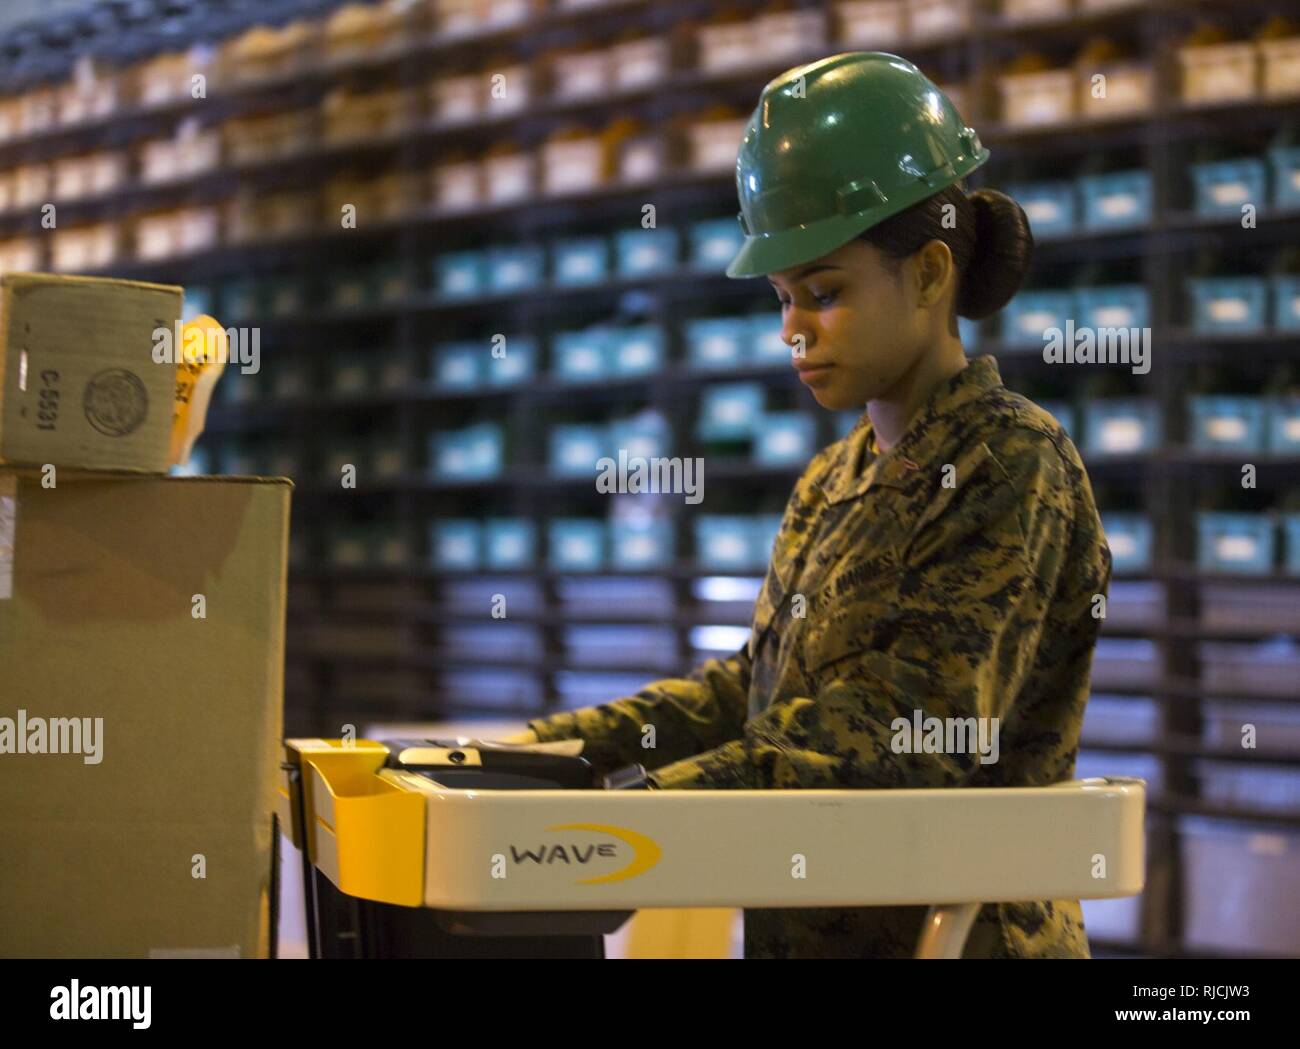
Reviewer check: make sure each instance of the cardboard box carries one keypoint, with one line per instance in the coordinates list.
(79, 386)
(100, 850)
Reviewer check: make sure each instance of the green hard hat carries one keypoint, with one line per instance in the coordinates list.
(837, 145)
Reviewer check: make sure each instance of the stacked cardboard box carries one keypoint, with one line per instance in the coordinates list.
(141, 645)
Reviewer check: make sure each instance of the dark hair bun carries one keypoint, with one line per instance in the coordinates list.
(1003, 249)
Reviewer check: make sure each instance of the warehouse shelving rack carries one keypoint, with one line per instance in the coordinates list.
(403, 602)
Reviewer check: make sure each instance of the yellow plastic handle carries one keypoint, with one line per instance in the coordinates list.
(200, 359)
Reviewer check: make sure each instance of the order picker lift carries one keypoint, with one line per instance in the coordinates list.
(469, 848)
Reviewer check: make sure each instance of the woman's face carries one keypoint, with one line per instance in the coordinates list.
(863, 326)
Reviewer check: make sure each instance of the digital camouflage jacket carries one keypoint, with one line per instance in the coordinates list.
(956, 574)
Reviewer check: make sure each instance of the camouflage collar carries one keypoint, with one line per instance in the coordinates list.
(923, 441)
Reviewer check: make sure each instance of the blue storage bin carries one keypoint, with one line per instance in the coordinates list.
(1286, 301)
(763, 529)
(1050, 207)
(1285, 164)
(199, 299)
(969, 333)
(1135, 602)
(1234, 543)
(509, 544)
(611, 646)
(714, 242)
(1222, 722)
(473, 594)
(1274, 787)
(1223, 186)
(1228, 304)
(637, 545)
(646, 252)
(458, 366)
(1063, 413)
(577, 689)
(716, 641)
(1029, 314)
(1291, 537)
(730, 411)
(574, 448)
(515, 267)
(1239, 887)
(716, 342)
(580, 260)
(844, 423)
(581, 355)
(469, 454)
(723, 541)
(486, 443)
(1120, 719)
(1130, 539)
(1284, 424)
(1269, 667)
(518, 361)
(576, 544)
(1222, 422)
(1121, 426)
(1116, 199)
(455, 544)
(498, 641)
(645, 435)
(1122, 662)
(765, 343)
(461, 273)
(509, 690)
(640, 350)
(1114, 306)
(785, 437)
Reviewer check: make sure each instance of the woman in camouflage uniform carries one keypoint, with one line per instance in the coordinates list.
(946, 557)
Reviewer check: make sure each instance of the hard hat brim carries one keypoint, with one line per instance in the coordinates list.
(771, 252)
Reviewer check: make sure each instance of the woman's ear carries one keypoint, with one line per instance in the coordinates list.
(934, 272)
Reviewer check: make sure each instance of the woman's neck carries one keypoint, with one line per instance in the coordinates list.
(891, 413)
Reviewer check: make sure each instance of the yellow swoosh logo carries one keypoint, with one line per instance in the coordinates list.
(645, 853)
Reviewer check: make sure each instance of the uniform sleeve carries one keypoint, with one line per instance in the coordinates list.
(951, 633)
(689, 715)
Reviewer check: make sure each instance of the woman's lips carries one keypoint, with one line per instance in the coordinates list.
(808, 372)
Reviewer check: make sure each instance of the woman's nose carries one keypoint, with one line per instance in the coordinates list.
(795, 332)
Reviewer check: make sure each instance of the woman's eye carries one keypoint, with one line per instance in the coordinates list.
(821, 300)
